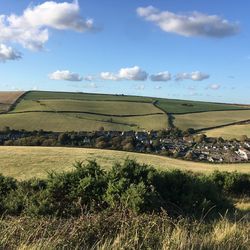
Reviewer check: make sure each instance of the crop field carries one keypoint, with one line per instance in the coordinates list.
(28, 162)
(210, 119)
(7, 99)
(230, 132)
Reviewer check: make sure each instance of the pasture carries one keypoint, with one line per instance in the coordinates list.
(167, 105)
(100, 107)
(27, 162)
(230, 132)
(210, 119)
(60, 122)
(65, 111)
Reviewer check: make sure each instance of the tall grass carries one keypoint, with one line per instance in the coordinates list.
(123, 231)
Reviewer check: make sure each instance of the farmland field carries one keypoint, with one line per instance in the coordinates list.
(182, 106)
(210, 119)
(65, 111)
(28, 162)
(168, 105)
(230, 132)
(101, 107)
(8, 98)
(60, 122)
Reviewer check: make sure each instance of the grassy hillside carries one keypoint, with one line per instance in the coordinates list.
(101, 107)
(168, 105)
(65, 111)
(210, 119)
(182, 106)
(28, 162)
(80, 122)
(230, 132)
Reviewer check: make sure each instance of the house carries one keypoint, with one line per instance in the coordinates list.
(244, 153)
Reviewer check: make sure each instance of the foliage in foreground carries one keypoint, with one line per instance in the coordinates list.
(118, 230)
(129, 186)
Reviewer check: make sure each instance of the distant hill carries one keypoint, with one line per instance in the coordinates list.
(67, 111)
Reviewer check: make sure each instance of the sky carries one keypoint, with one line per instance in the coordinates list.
(181, 49)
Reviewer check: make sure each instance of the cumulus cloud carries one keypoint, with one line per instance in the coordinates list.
(161, 77)
(65, 75)
(214, 86)
(135, 73)
(8, 53)
(31, 29)
(195, 76)
(194, 24)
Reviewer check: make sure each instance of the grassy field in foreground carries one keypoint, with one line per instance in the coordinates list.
(28, 162)
(230, 132)
(210, 119)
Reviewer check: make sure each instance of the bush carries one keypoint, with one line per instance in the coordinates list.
(7, 185)
(69, 193)
(129, 186)
(232, 183)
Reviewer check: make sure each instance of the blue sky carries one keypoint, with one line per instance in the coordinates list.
(180, 49)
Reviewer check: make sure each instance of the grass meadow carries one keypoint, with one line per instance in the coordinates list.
(230, 132)
(210, 119)
(27, 162)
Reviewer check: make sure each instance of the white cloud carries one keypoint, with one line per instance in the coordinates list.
(109, 76)
(161, 77)
(195, 76)
(214, 86)
(190, 24)
(135, 73)
(31, 28)
(8, 53)
(65, 75)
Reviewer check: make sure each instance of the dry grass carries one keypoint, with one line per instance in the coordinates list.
(230, 132)
(210, 119)
(8, 98)
(28, 162)
(116, 231)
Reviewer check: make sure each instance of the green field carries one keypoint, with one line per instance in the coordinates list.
(230, 132)
(28, 162)
(101, 107)
(168, 105)
(60, 122)
(210, 119)
(65, 111)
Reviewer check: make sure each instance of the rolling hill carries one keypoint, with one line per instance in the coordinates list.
(29, 162)
(66, 111)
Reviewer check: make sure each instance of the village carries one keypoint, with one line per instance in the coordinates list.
(172, 143)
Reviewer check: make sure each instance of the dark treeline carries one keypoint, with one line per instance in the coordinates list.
(127, 187)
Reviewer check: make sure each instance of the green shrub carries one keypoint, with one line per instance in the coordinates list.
(69, 193)
(7, 185)
(232, 183)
